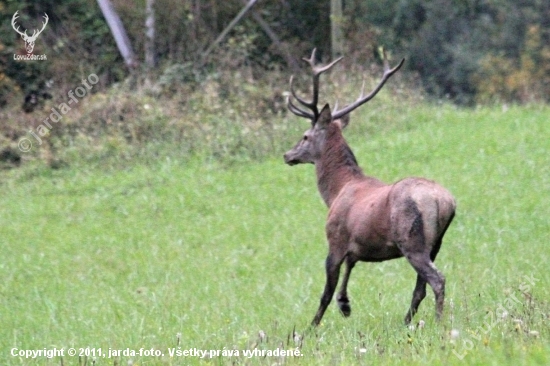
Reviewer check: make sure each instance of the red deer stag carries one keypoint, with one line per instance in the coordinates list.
(368, 220)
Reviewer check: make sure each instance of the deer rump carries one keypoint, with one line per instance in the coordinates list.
(390, 221)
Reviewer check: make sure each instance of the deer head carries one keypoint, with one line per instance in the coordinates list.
(29, 40)
(310, 147)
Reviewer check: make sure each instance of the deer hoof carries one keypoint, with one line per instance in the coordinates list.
(344, 306)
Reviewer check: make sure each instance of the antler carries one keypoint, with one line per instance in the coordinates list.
(13, 24)
(365, 98)
(317, 71)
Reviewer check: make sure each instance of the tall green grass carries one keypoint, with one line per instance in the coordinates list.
(191, 252)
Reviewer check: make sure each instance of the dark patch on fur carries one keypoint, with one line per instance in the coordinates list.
(349, 156)
(417, 227)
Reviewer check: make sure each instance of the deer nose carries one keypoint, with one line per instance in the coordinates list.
(289, 159)
(285, 156)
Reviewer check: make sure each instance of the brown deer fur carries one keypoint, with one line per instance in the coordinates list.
(371, 221)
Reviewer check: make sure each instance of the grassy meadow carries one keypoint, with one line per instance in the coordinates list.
(198, 253)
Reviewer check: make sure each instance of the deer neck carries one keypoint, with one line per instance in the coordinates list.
(337, 165)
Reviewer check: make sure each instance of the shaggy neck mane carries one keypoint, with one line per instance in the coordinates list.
(337, 165)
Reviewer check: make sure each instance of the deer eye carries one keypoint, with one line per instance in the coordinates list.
(305, 137)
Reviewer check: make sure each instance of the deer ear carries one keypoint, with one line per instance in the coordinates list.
(325, 117)
(343, 122)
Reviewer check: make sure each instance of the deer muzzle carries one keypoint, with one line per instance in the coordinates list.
(290, 158)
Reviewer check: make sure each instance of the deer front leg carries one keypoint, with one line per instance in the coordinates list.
(332, 265)
(342, 297)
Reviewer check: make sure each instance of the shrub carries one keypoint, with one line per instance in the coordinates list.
(502, 79)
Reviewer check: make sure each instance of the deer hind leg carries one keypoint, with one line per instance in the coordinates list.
(419, 294)
(433, 276)
(427, 272)
(421, 251)
(332, 265)
(342, 297)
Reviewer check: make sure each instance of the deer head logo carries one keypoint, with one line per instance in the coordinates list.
(29, 40)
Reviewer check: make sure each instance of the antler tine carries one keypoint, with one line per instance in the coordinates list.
(313, 104)
(305, 103)
(362, 98)
(294, 109)
(297, 111)
(311, 59)
(317, 71)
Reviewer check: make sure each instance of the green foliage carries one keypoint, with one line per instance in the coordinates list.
(213, 117)
(76, 42)
(501, 79)
(228, 116)
(439, 53)
(453, 46)
(176, 252)
(18, 77)
(176, 77)
(469, 51)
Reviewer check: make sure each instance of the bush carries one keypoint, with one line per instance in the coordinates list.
(501, 79)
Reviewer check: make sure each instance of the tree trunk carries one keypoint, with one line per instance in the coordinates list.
(119, 33)
(150, 57)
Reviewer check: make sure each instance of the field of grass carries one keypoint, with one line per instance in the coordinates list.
(197, 254)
